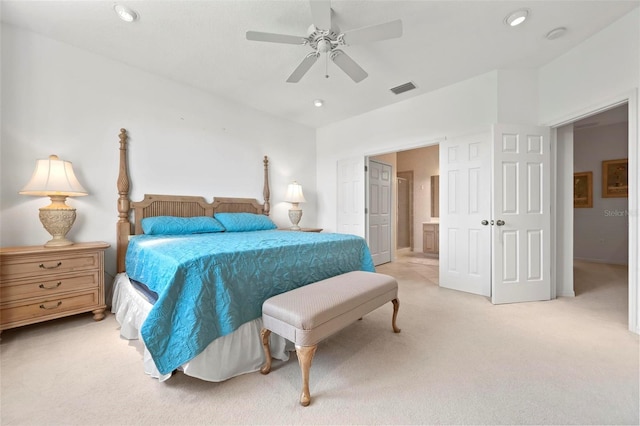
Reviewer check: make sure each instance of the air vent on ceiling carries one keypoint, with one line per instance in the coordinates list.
(403, 88)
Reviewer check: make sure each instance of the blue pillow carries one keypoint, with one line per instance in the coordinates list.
(242, 222)
(172, 225)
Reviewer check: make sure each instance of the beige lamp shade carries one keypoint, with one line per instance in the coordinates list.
(294, 193)
(295, 196)
(55, 178)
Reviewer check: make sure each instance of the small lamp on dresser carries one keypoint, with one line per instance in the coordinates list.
(54, 178)
(295, 196)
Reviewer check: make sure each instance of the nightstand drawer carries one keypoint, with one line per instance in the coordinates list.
(49, 307)
(55, 263)
(48, 286)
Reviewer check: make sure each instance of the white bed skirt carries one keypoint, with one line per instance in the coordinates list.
(237, 353)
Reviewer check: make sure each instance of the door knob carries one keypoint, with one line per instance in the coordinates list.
(485, 222)
(500, 222)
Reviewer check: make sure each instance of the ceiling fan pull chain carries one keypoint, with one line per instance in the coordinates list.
(326, 65)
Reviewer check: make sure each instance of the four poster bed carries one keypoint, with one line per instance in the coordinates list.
(192, 277)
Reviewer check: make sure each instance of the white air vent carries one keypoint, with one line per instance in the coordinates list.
(403, 88)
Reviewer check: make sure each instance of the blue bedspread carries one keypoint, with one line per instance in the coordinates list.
(210, 284)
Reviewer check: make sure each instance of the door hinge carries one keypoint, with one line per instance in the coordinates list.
(366, 210)
(366, 169)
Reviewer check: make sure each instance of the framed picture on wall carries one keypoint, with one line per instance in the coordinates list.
(583, 190)
(614, 178)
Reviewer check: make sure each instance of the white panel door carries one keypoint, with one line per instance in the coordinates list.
(522, 213)
(379, 213)
(351, 184)
(465, 210)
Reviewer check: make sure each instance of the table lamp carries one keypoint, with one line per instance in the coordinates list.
(54, 178)
(295, 196)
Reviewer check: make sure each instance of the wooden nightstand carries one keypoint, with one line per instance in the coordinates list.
(302, 229)
(38, 284)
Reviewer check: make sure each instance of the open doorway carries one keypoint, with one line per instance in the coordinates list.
(601, 209)
(417, 165)
(423, 163)
(563, 208)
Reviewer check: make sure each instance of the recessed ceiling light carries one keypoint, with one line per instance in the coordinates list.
(516, 18)
(318, 102)
(556, 33)
(125, 13)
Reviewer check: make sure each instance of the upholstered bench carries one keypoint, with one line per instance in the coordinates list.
(311, 313)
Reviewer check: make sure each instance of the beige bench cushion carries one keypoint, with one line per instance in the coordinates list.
(313, 312)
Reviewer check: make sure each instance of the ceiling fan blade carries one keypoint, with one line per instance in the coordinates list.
(348, 65)
(378, 32)
(275, 38)
(321, 13)
(304, 66)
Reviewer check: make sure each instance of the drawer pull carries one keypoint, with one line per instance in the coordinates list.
(50, 267)
(51, 307)
(52, 287)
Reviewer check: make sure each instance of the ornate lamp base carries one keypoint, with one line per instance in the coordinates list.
(295, 214)
(57, 218)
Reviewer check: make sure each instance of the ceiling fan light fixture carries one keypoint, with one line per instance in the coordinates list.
(324, 46)
(318, 102)
(516, 18)
(125, 13)
(324, 37)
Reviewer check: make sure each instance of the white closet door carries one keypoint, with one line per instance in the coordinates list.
(521, 209)
(379, 215)
(465, 202)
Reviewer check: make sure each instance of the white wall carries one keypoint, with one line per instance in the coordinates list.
(634, 206)
(518, 96)
(57, 99)
(466, 107)
(601, 233)
(602, 67)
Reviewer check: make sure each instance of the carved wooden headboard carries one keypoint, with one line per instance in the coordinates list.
(172, 205)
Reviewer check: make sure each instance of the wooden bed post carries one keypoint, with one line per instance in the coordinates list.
(265, 192)
(123, 226)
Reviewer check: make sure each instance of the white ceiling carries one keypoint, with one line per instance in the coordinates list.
(619, 114)
(203, 44)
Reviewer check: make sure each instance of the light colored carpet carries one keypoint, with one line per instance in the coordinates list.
(425, 261)
(458, 360)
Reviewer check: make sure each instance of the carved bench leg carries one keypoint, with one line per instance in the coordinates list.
(396, 306)
(305, 357)
(264, 335)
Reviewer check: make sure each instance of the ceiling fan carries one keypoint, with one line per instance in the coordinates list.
(325, 37)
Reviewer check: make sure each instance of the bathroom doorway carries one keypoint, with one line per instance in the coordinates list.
(405, 210)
